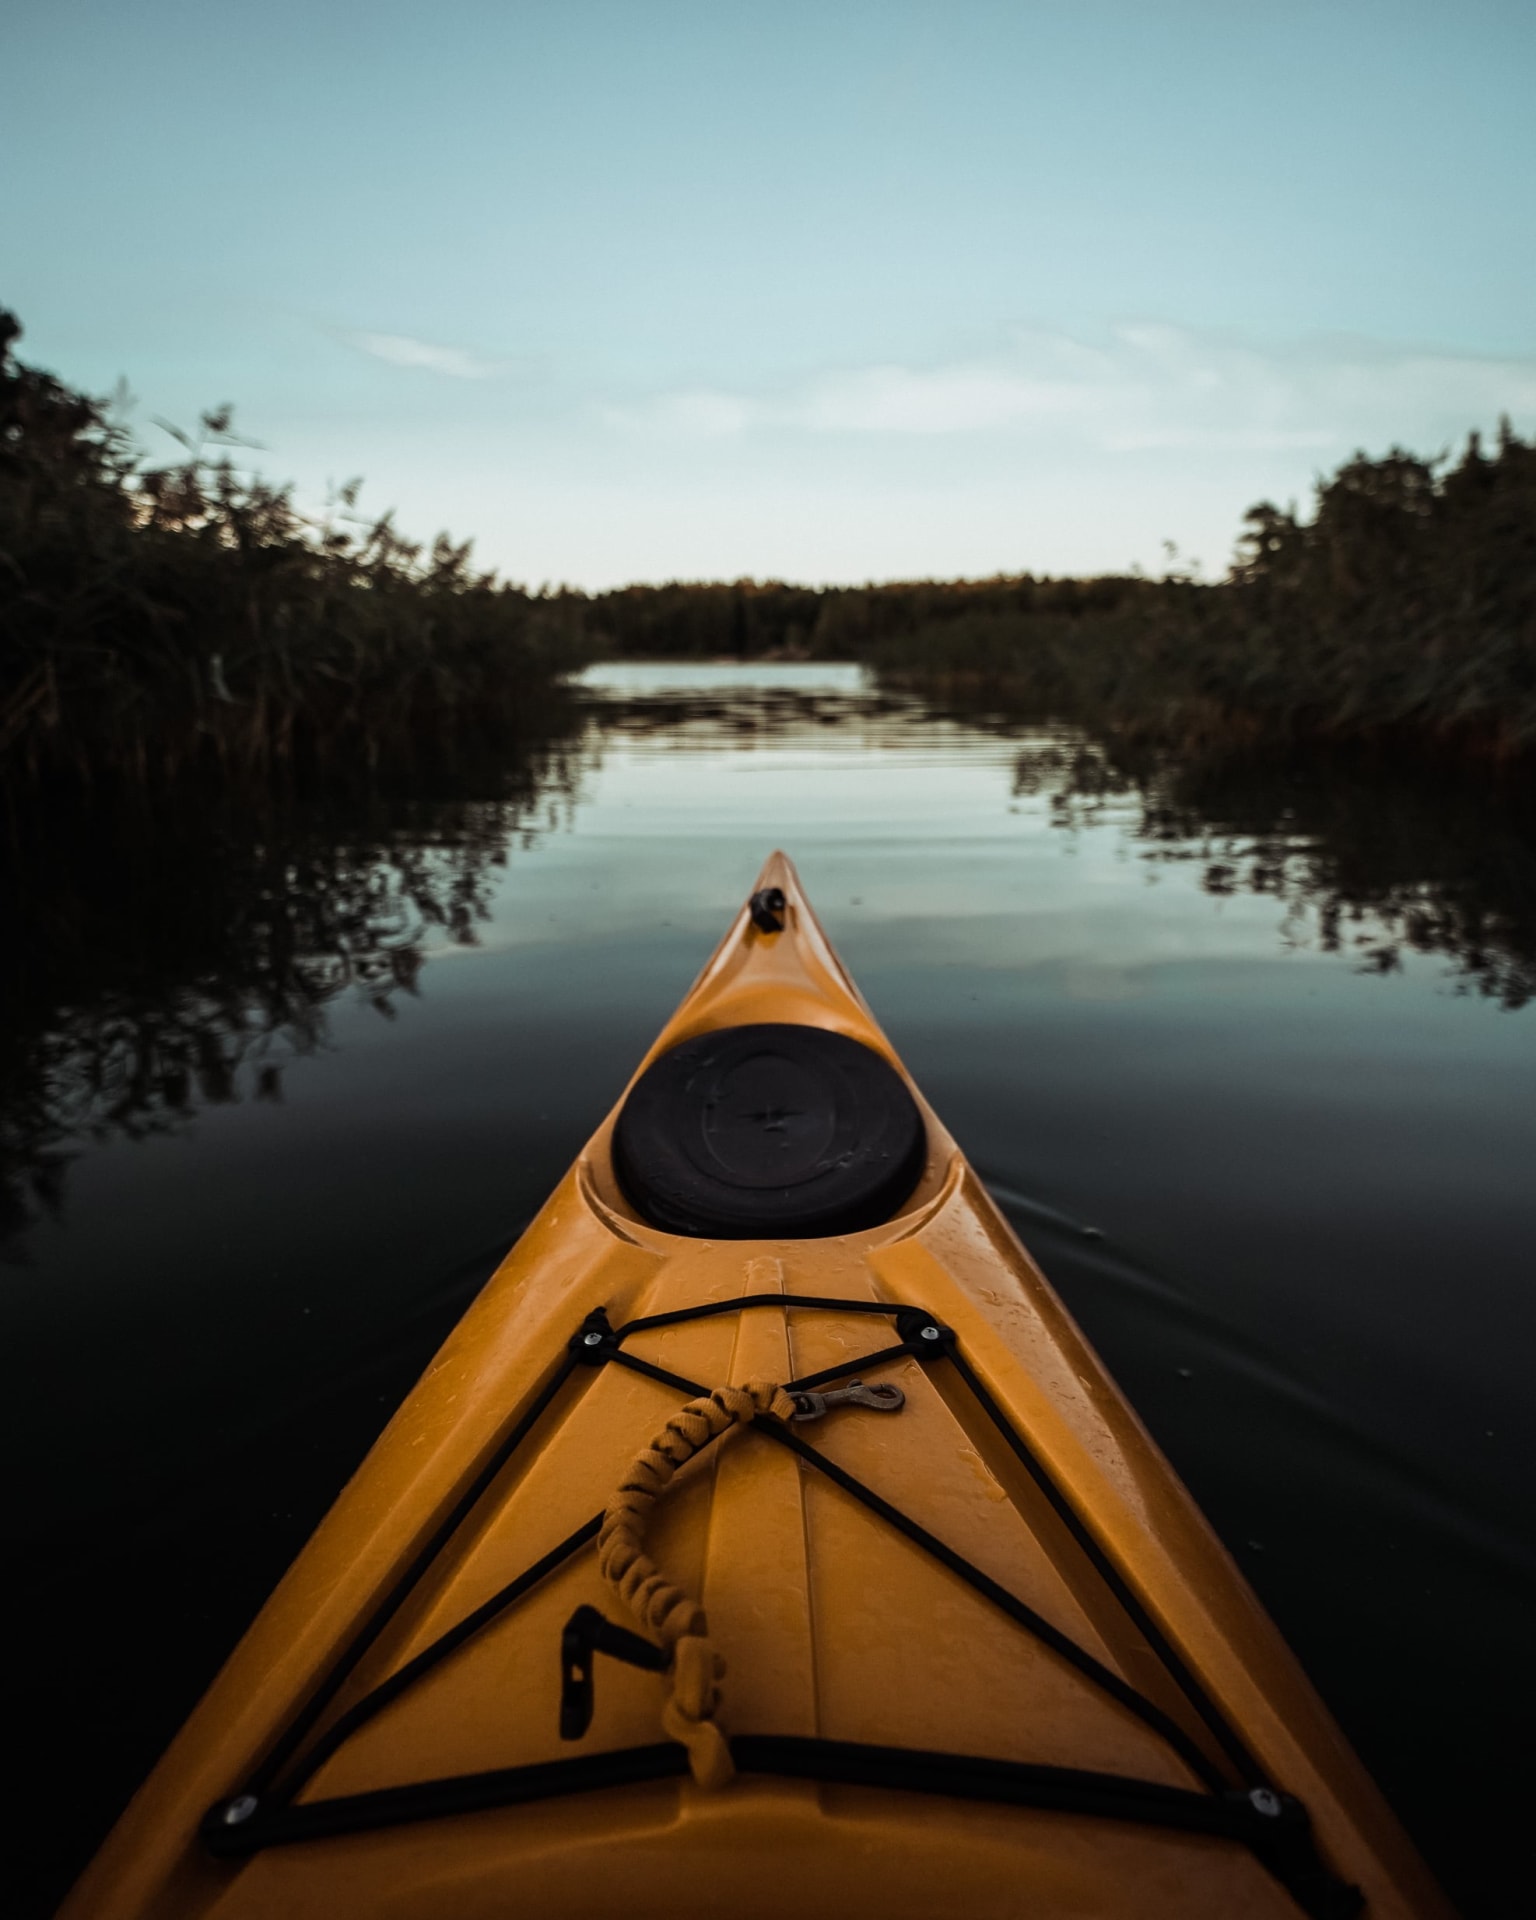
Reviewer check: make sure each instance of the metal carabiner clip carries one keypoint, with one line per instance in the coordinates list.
(883, 1398)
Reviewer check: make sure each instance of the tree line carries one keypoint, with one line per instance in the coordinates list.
(1403, 605)
(188, 613)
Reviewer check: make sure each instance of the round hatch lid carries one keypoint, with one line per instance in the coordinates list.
(768, 1132)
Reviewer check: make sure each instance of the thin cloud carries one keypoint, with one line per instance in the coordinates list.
(1220, 440)
(400, 350)
(1142, 387)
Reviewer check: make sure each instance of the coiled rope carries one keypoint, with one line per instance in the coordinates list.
(662, 1609)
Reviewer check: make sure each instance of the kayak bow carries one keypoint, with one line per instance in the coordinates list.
(765, 1536)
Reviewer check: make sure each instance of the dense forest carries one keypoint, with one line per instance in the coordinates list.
(187, 614)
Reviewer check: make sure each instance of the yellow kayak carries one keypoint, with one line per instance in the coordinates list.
(765, 1540)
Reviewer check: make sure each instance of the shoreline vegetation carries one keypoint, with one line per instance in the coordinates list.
(187, 618)
(1402, 613)
(157, 621)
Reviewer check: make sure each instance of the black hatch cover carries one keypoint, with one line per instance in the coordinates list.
(768, 1132)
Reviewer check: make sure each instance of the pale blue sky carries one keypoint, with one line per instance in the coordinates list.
(827, 292)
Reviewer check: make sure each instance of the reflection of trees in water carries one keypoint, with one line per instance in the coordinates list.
(704, 719)
(1366, 855)
(164, 960)
(158, 957)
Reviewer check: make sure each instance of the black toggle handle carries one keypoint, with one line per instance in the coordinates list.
(588, 1633)
(767, 909)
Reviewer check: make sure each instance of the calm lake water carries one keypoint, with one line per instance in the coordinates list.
(1249, 1056)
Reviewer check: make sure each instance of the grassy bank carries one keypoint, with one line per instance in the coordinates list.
(156, 618)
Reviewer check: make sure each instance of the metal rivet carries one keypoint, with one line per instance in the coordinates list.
(1262, 1800)
(591, 1339)
(930, 1333)
(239, 1809)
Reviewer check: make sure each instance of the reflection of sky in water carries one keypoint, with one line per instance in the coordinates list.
(895, 821)
(621, 677)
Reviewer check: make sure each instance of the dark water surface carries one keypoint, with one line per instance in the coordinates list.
(1247, 1055)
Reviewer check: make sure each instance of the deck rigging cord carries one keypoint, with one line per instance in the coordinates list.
(676, 1619)
(266, 1811)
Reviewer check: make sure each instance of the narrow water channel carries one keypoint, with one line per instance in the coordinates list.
(1252, 1067)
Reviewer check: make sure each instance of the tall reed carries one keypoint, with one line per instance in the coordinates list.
(159, 616)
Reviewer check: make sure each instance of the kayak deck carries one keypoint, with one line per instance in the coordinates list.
(979, 1649)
